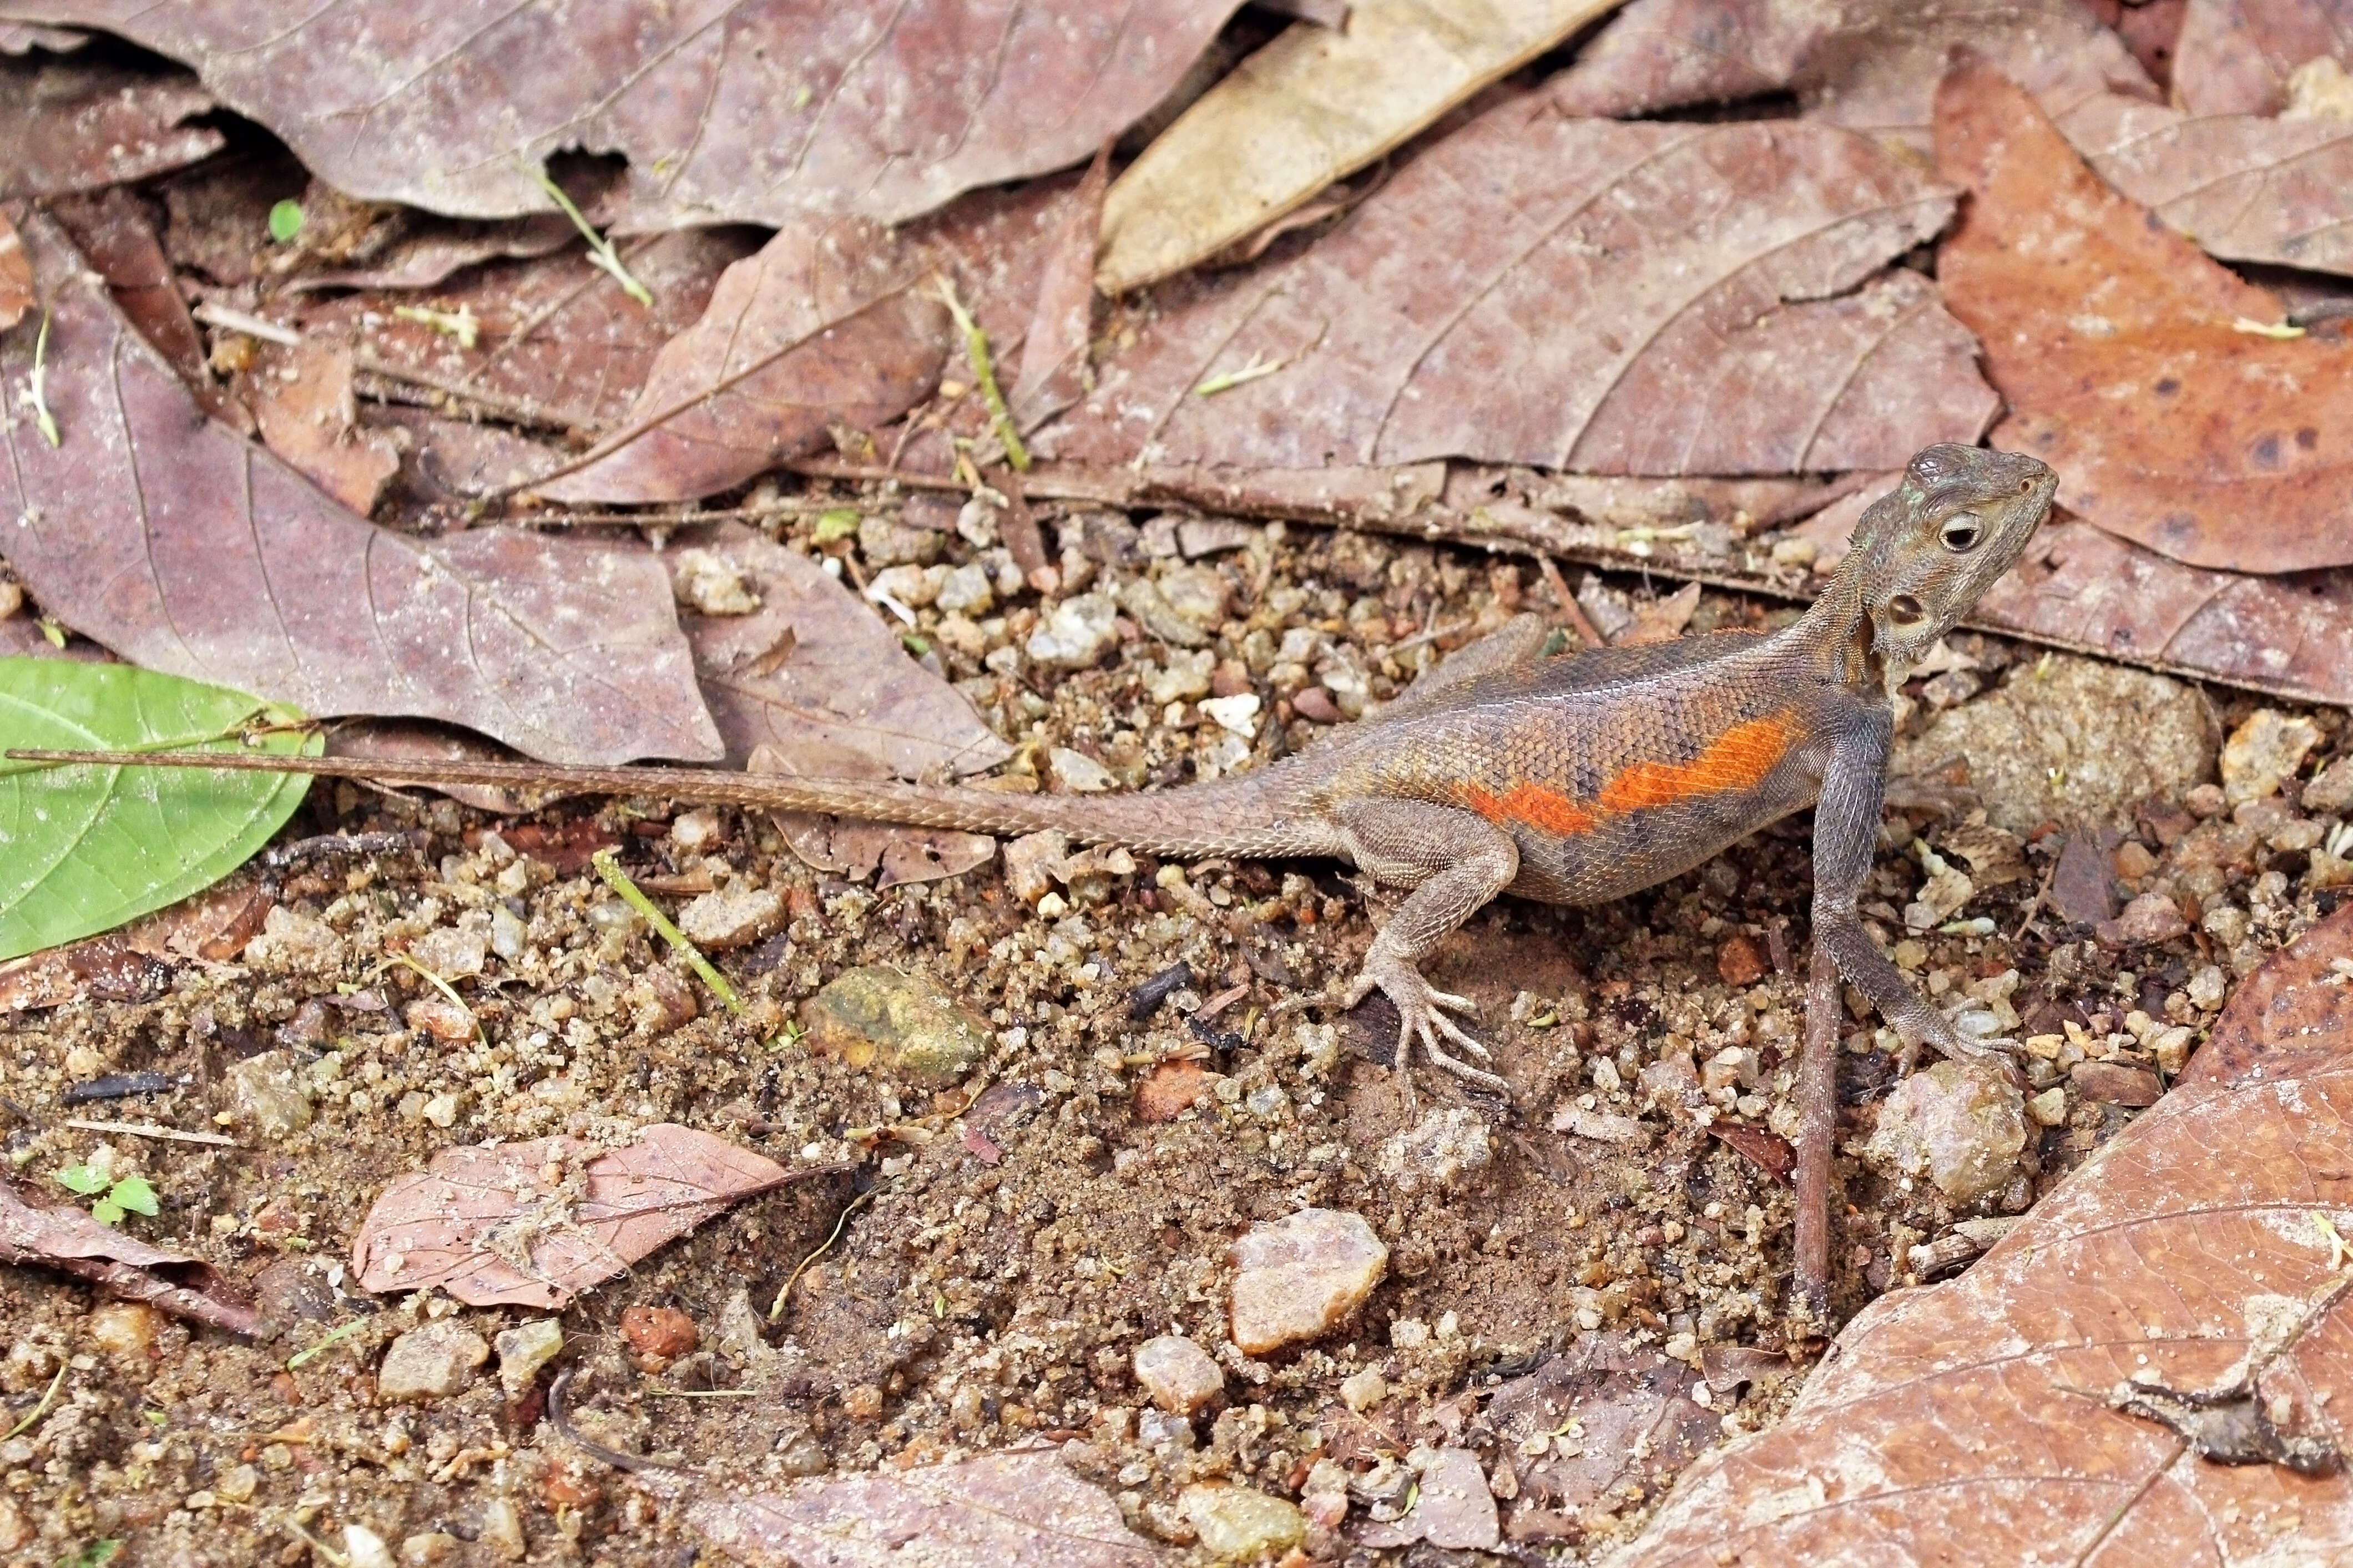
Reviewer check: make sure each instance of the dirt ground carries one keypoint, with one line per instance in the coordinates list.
(966, 1306)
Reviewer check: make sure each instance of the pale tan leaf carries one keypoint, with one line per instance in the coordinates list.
(2235, 57)
(2200, 1252)
(302, 400)
(1308, 109)
(535, 1224)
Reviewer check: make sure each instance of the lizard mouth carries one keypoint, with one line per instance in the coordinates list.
(1906, 610)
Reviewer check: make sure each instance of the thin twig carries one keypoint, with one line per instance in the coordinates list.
(984, 369)
(776, 1307)
(48, 1398)
(1569, 605)
(514, 410)
(252, 326)
(1817, 1098)
(151, 1130)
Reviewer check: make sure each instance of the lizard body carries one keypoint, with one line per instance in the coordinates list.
(1571, 780)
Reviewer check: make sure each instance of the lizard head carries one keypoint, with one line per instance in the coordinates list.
(1925, 552)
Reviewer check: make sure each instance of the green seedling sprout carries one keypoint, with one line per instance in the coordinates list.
(303, 1357)
(286, 221)
(116, 1195)
(1226, 381)
(984, 369)
(618, 880)
(600, 248)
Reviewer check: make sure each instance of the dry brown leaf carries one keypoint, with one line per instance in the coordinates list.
(302, 397)
(429, 252)
(2246, 187)
(1664, 618)
(19, 38)
(1002, 1511)
(535, 1224)
(1629, 1417)
(188, 549)
(834, 323)
(738, 111)
(82, 125)
(1310, 108)
(2202, 1250)
(2235, 57)
(1668, 300)
(558, 342)
(2119, 348)
(1869, 64)
(844, 683)
(1055, 371)
(70, 1241)
(15, 275)
(408, 740)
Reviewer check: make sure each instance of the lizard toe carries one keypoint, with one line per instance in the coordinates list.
(1454, 1032)
(1462, 1069)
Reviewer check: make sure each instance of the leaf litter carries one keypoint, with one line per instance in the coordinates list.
(749, 111)
(2056, 1397)
(1620, 267)
(2234, 451)
(255, 580)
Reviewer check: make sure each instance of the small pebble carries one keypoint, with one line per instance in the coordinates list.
(1738, 962)
(1076, 632)
(1314, 704)
(432, 1546)
(439, 1018)
(268, 1096)
(1077, 773)
(1296, 1278)
(124, 1328)
(1238, 715)
(2117, 1083)
(2264, 751)
(902, 1026)
(1176, 1374)
(436, 1361)
(503, 1528)
(711, 584)
(1360, 1391)
(1958, 1124)
(1240, 1524)
(732, 918)
(363, 1548)
(658, 1334)
(1438, 1153)
(524, 1350)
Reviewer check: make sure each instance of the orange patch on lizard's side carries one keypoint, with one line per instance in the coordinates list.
(1738, 759)
(1533, 805)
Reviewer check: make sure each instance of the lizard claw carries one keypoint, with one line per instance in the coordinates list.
(1421, 1015)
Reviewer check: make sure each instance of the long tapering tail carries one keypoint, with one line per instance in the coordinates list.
(1239, 816)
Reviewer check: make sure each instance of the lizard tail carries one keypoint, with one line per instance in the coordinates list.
(1240, 815)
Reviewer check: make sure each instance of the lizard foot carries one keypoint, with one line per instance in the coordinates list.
(1971, 1033)
(1420, 1015)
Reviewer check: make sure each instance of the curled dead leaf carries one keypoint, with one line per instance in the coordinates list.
(535, 1224)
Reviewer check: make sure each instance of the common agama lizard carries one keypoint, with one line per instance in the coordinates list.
(1569, 780)
(1566, 780)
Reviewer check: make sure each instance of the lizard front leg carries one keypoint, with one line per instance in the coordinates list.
(1846, 835)
(1454, 862)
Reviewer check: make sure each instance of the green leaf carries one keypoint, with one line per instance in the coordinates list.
(134, 1195)
(97, 1555)
(82, 1179)
(83, 849)
(106, 1211)
(285, 221)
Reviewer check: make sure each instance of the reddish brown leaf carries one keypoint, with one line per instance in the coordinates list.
(303, 399)
(815, 673)
(409, 740)
(1613, 1401)
(535, 1224)
(433, 251)
(68, 1240)
(135, 962)
(2199, 1253)
(1658, 291)
(2114, 340)
(752, 110)
(188, 549)
(559, 344)
(2234, 56)
(81, 125)
(2243, 186)
(1002, 1511)
(15, 275)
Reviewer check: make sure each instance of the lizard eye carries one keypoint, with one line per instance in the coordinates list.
(1960, 534)
(1905, 609)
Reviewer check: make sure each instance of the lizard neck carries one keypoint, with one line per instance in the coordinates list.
(1834, 635)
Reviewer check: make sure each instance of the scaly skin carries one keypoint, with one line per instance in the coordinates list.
(1567, 780)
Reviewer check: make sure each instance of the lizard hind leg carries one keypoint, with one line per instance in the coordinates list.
(1453, 862)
